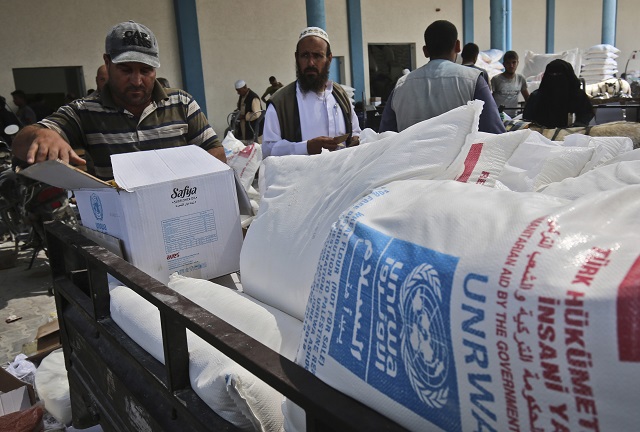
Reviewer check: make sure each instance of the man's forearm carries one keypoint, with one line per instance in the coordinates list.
(218, 152)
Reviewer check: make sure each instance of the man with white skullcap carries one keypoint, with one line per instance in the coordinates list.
(133, 112)
(249, 109)
(312, 113)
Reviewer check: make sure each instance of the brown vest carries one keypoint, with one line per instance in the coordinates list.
(286, 104)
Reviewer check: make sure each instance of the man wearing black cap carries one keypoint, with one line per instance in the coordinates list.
(133, 112)
(312, 113)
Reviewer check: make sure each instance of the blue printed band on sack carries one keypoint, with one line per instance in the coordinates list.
(392, 323)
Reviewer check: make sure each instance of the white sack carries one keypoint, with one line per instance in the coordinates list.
(534, 63)
(244, 159)
(483, 157)
(538, 161)
(603, 178)
(369, 135)
(304, 195)
(230, 390)
(606, 149)
(602, 48)
(52, 386)
(447, 306)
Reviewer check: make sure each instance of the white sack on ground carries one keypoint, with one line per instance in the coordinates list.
(230, 390)
(52, 386)
(493, 310)
(304, 195)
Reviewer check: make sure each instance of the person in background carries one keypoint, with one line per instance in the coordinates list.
(558, 99)
(164, 82)
(25, 113)
(469, 56)
(40, 107)
(131, 113)
(102, 76)
(274, 86)
(312, 112)
(508, 85)
(249, 110)
(439, 86)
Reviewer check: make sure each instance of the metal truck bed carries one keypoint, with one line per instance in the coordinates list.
(116, 383)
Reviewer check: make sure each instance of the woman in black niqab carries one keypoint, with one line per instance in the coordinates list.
(559, 96)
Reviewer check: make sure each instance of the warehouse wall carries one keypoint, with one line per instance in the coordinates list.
(253, 39)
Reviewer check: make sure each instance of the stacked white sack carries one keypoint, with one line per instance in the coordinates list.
(492, 310)
(535, 64)
(304, 195)
(230, 390)
(599, 63)
(489, 60)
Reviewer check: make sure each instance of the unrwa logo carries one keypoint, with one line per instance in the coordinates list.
(425, 352)
(96, 206)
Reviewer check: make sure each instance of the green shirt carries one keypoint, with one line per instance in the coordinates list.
(96, 124)
(271, 90)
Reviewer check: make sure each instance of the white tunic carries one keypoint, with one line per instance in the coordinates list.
(320, 115)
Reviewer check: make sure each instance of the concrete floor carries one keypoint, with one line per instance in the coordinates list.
(24, 293)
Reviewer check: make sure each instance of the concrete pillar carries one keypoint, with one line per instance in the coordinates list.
(190, 56)
(315, 14)
(609, 13)
(356, 49)
(497, 19)
(550, 26)
(467, 21)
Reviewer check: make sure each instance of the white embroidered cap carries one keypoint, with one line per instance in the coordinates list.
(239, 84)
(314, 31)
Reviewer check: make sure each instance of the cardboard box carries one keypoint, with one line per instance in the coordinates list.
(15, 395)
(175, 210)
(47, 340)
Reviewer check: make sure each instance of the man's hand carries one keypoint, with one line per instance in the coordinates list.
(315, 146)
(354, 141)
(37, 144)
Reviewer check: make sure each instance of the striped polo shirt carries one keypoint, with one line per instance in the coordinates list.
(95, 123)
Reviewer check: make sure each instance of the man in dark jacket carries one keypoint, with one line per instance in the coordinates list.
(249, 110)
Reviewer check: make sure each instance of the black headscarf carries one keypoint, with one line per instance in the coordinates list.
(559, 93)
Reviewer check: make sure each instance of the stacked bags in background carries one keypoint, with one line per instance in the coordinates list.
(535, 64)
(351, 92)
(599, 63)
(489, 60)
